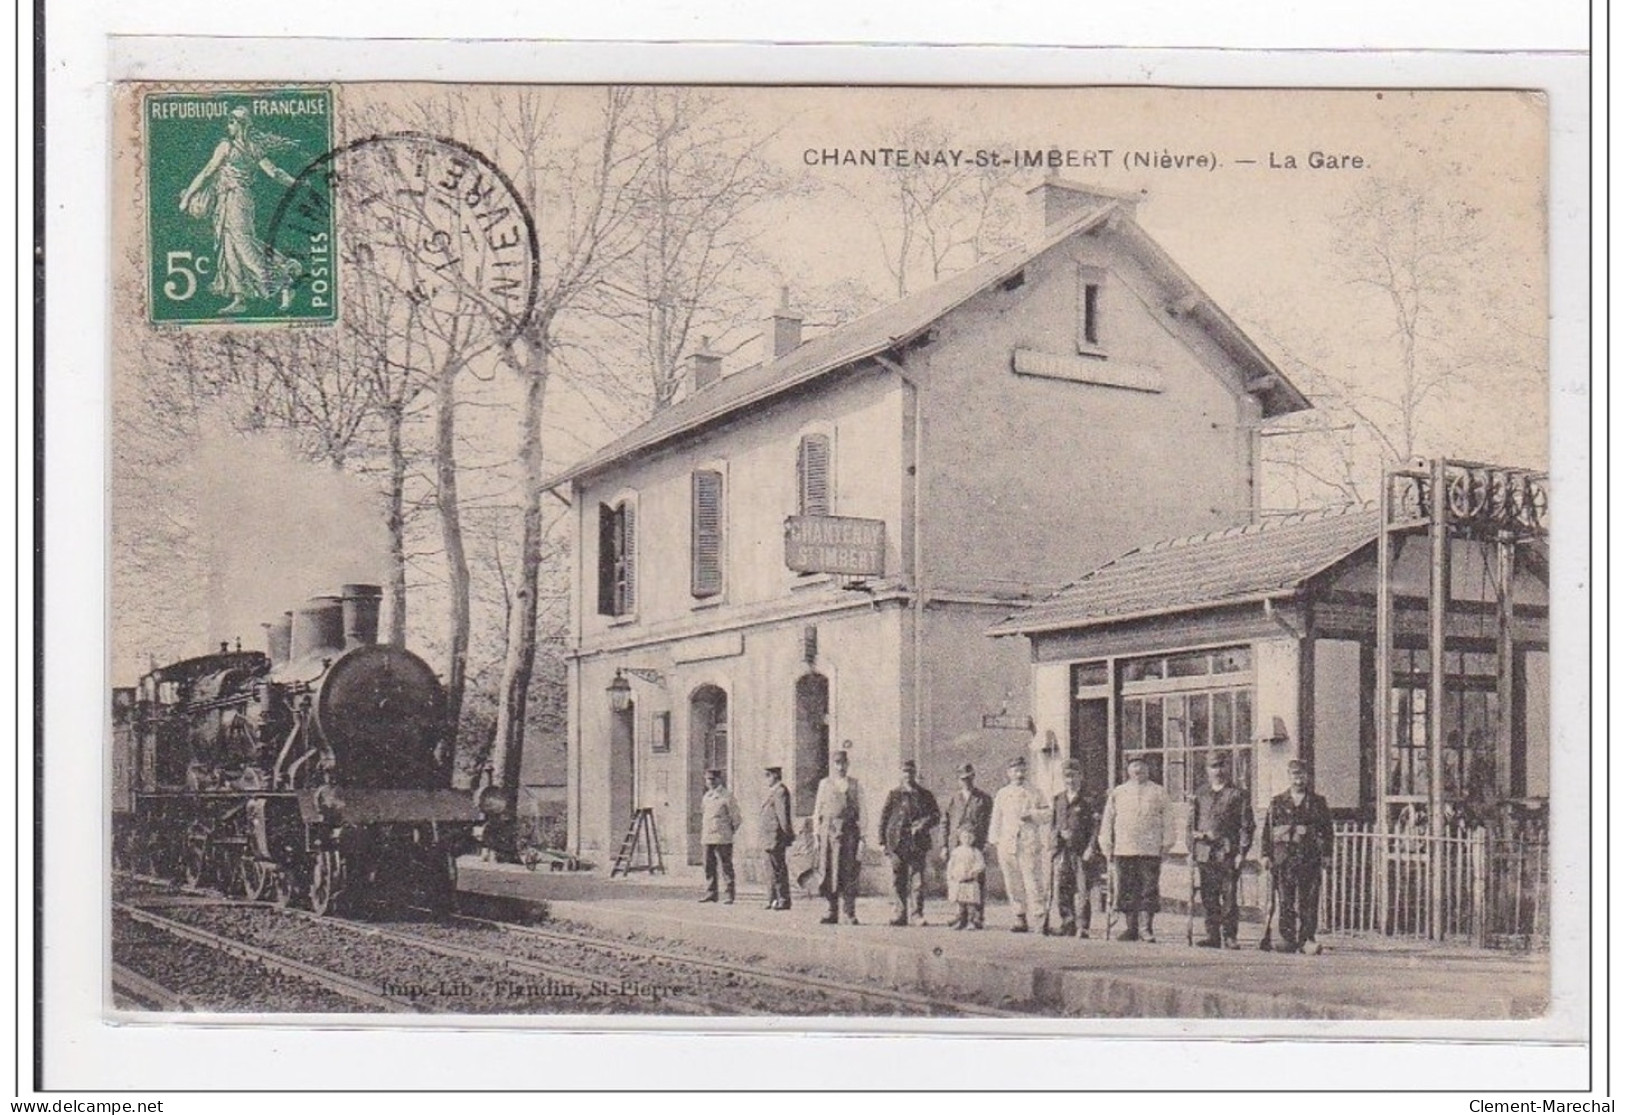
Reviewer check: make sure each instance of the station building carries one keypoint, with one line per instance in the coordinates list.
(808, 553)
(1260, 642)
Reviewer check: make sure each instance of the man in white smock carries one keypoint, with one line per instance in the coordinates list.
(1133, 835)
(1020, 816)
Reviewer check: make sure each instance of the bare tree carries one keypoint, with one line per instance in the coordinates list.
(585, 194)
(700, 178)
(1419, 325)
(942, 218)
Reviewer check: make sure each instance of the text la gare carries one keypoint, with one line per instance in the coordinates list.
(1317, 160)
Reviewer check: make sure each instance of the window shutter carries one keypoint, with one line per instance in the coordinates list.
(606, 559)
(812, 475)
(1091, 295)
(629, 559)
(707, 538)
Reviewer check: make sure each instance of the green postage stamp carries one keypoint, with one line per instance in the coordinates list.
(229, 238)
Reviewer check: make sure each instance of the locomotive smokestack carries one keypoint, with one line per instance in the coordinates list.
(361, 615)
(318, 629)
(278, 637)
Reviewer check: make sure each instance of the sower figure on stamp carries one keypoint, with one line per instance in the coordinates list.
(1221, 833)
(1133, 836)
(970, 809)
(719, 820)
(1072, 833)
(906, 821)
(777, 832)
(837, 826)
(1297, 840)
(1020, 815)
(245, 266)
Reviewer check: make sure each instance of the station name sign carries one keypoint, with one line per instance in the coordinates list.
(834, 544)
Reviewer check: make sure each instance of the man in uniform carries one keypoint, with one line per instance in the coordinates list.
(1133, 836)
(1020, 815)
(777, 832)
(1221, 833)
(719, 820)
(837, 826)
(1072, 832)
(906, 821)
(1297, 840)
(970, 808)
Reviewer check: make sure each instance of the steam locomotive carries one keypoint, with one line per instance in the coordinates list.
(319, 771)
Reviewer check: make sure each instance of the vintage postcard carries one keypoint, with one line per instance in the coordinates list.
(917, 557)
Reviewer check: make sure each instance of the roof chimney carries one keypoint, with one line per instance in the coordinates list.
(1055, 201)
(783, 328)
(704, 367)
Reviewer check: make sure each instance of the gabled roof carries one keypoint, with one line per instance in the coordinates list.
(901, 322)
(1240, 565)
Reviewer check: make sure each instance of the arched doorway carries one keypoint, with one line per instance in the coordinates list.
(707, 749)
(622, 772)
(812, 739)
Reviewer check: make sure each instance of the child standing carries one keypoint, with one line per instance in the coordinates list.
(966, 870)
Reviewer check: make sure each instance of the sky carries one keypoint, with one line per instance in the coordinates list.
(1258, 238)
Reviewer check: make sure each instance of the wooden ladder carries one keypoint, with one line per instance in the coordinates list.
(641, 832)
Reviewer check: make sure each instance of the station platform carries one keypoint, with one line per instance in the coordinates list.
(1355, 978)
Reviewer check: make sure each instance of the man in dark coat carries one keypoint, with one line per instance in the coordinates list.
(906, 821)
(1297, 840)
(1072, 836)
(777, 832)
(1221, 832)
(968, 809)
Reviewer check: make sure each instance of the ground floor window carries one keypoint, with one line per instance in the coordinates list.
(1472, 769)
(1178, 709)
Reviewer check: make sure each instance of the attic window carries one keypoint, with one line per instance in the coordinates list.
(1091, 309)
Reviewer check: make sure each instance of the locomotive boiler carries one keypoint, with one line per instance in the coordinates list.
(318, 770)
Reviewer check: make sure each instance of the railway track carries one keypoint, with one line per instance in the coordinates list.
(576, 968)
(133, 989)
(352, 989)
(788, 981)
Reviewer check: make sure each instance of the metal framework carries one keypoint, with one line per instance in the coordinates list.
(1444, 500)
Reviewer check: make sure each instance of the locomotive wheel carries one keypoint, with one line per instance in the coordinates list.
(195, 858)
(281, 887)
(254, 877)
(326, 882)
(148, 857)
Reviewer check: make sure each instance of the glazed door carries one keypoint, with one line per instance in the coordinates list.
(812, 741)
(707, 749)
(1089, 745)
(622, 772)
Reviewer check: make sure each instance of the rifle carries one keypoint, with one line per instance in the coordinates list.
(1266, 945)
(1049, 891)
(1190, 905)
(1111, 895)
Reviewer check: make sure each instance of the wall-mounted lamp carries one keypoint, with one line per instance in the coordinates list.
(620, 693)
(1052, 746)
(620, 690)
(1278, 733)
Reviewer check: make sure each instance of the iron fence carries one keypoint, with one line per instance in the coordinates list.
(1494, 891)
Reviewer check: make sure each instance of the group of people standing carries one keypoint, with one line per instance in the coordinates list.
(1125, 844)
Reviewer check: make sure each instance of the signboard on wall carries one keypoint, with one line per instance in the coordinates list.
(835, 544)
